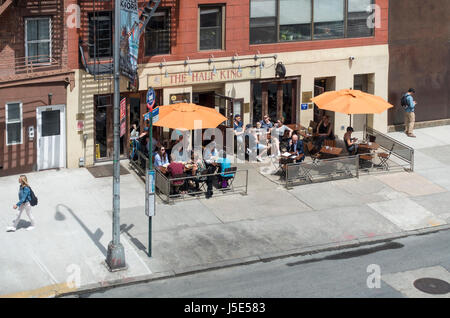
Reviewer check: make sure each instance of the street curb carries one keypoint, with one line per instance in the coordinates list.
(335, 246)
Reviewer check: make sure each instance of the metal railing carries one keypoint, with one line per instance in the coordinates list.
(164, 185)
(396, 148)
(28, 65)
(140, 164)
(321, 170)
(192, 187)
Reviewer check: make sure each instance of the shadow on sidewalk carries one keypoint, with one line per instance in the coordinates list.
(95, 237)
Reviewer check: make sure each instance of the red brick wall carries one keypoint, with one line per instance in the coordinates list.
(237, 33)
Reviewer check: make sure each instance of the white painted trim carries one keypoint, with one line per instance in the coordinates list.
(14, 122)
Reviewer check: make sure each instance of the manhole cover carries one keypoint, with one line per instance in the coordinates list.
(432, 286)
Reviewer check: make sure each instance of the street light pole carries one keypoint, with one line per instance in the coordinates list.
(115, 259)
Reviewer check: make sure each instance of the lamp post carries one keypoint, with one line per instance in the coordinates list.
(115, 258)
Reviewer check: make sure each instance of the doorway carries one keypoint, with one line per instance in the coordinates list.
(364, 83)
(104, 128)
(322, 85)
(275, 98)
(51, 137)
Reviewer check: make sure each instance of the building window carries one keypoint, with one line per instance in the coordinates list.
(100, 34)
(38, 45)
(273, 21)
(157, 34)
(328, 19)
(295, 20)
(263, 21)
(211, 28)
(358, 15)
(13, 123)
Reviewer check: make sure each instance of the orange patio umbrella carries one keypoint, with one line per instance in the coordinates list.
(183, 116)
(350, 102)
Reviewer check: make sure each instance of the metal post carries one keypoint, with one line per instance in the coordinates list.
(150, 168)
(115, 259)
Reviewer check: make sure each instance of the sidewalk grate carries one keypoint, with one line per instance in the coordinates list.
(105, 171)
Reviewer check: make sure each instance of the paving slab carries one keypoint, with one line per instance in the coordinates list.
(441, 154)
(325, 195)
(411, 183)
(439, 176)
(406, 214)
(256, 205)
(404, 281)
(438, 204)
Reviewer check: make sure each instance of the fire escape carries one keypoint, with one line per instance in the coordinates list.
(102, 68)
(21, 66)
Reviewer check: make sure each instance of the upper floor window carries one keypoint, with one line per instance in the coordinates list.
(357, 18)
(13, 123)
(274, 21)
(100, 34)
(157, 33)
(211, 28)
(38, 44)
(328, 19)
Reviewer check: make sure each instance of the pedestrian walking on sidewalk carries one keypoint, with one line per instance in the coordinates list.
(23, 204)
(410, 117)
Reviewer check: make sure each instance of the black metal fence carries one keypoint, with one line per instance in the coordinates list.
(322, 170)
(392, 146)
(187, 186)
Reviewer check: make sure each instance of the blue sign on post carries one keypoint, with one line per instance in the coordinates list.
(304, 106)
(154, 114)
(151, 98)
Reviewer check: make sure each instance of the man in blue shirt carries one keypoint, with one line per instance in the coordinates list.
(410, 116)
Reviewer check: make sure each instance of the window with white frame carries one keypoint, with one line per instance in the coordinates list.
(38, 44)
(13, 123)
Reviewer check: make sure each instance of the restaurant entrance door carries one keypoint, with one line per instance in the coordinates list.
(276, 98)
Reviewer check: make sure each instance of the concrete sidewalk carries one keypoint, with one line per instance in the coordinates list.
(74, 222)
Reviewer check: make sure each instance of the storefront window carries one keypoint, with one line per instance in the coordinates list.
(295, 20)
(328, 19)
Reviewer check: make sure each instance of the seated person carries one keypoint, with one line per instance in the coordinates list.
(295, 146)
(350, 143)
(253, 145)
(176, 169)
(161, 157)
(266, 123)
(210, 151)
(323, 131)
(224, 163)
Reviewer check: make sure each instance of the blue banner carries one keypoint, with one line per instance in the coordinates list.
(129, 38)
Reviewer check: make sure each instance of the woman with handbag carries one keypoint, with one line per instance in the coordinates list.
(23, 204)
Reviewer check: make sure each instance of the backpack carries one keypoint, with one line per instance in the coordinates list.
(34, 199)
(404, 101)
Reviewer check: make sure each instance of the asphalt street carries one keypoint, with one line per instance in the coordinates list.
(343, 273)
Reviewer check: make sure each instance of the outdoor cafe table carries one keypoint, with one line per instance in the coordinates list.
(331, 151)
(369, 146)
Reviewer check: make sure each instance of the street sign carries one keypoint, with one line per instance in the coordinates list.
(150, 98)
(150, 193)
(155, 115)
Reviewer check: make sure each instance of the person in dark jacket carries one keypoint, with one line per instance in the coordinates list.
(23, 204)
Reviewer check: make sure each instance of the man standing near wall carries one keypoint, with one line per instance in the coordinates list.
(410, 116)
